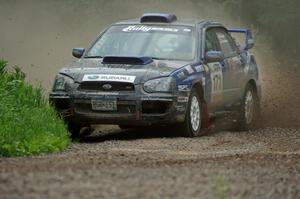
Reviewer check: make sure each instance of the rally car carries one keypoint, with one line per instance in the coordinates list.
(158, 70)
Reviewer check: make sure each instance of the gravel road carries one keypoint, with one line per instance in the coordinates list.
(152, 164)
(264, 163)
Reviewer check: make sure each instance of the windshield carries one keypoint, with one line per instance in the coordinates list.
(158, 42)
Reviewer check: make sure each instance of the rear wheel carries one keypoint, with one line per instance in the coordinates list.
(192, 124)
(249, 111)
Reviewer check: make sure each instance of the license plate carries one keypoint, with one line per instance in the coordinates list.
(104, 105)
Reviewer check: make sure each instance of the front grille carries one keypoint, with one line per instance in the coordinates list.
(106, 86)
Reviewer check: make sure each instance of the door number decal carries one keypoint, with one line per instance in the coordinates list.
(216, 81)
(216, 77)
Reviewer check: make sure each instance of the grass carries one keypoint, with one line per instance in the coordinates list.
(28, 124)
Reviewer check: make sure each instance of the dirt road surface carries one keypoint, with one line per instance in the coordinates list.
(152, 164)
(264, 163)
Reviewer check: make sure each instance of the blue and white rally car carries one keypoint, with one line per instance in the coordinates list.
(158, 70)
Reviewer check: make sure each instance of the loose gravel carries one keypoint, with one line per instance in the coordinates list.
(152, 164)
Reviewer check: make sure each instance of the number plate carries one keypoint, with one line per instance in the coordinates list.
(104, 105)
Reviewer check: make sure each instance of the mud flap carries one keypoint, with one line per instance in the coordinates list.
(205, 116)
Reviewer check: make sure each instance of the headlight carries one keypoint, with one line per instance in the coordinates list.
(164, 84)
(62, 83)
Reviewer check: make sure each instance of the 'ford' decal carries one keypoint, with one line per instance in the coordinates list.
(92, 77)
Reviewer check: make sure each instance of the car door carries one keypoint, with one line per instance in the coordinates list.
(232, 67)
(214, 85)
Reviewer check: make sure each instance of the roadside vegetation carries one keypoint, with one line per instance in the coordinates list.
(28, 124)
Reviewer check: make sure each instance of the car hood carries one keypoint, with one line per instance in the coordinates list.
(77, 70)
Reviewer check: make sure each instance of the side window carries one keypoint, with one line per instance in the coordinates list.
(211, 42)
(226, 43)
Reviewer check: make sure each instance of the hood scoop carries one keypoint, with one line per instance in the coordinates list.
(127, 60)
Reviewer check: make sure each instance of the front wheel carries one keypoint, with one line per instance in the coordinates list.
(78, 131)
(249, 111)
(192, 124)
(126, 127)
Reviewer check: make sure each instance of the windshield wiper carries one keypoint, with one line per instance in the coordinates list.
(158, 58)
(93, 57)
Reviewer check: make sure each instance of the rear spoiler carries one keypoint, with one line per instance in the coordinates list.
(249, 41)
(127, 60)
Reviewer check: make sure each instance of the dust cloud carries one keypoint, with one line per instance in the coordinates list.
(38, 35)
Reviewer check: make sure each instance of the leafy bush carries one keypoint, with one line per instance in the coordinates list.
(28, 124)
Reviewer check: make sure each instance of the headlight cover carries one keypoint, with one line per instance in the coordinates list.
(62, 83)
(163, 84)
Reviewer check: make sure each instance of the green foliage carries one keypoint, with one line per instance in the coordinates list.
(3, 65)
(28, 124)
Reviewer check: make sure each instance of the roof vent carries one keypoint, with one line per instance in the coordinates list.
(158, 18)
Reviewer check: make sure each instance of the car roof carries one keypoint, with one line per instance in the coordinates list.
(180, 22)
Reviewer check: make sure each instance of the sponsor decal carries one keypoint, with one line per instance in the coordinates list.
(181, 75)
(180, 108)
(109, 78)
(183, 88)
(92, 77)
(187, 30)
(206, 68)
(189, 69)
(203, 81)
(199, 68)
(182, 99)
(148, 29)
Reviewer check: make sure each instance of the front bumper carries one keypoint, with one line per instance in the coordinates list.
(132, 109)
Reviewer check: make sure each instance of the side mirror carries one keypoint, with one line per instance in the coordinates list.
(78, 52)
(214, 56)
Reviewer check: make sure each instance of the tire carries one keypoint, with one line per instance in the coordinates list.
(126, 127)
(74, 129)
(193, 118)
(130, 127)
(249, 111)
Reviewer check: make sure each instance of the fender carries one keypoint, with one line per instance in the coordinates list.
(188, 76)
(193, 75)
